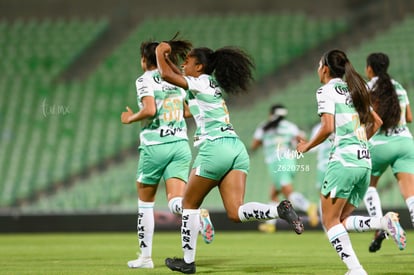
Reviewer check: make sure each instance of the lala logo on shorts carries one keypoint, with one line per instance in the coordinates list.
(363, 154)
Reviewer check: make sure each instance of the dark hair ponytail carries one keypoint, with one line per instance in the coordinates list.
(277, 112)
(383, 94)
(231, 67)
(179, 50)
(340, 66)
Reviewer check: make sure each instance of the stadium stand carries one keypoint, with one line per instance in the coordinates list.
(35, 52)
(50, 159)
(92, 133)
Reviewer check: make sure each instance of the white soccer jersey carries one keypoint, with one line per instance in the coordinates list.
(206, 103)
(401, 130)
(168, 124)
(350, 146)
(277, 141)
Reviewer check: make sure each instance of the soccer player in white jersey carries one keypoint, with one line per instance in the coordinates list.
(393, 145)
(222, 160)
(344, 108)
(164, 149)
(278, 137)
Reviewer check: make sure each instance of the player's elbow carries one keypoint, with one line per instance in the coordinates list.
(149, 111)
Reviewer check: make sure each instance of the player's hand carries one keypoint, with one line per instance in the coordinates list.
(302, 146)
(164, 48)
(126, 115)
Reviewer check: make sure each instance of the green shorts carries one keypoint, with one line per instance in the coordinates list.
(397, 153)
(282, 172)
(349, 183)
(170, 160)
(217, 157)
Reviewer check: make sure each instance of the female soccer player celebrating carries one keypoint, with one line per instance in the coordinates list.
(222, 160)
(164, 149)
(344, 108)
(393, 144)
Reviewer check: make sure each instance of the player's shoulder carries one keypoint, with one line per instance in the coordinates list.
(334, 86)
(149, 76)
(261, 124)
(323, 89)
(202, 80)
(141, 79)
(398, 87)
(293, 127)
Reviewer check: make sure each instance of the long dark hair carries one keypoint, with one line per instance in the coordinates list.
(383, 94)
(277, 112)
(340, 66)
(231, 67)
(179, 50)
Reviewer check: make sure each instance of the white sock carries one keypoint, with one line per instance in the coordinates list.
(145, 227)
(189, 232)
(175, 205)
(373, 202)
(299, 201)
(410, 205)
(362, 223)
(341, 242)
(254, 211)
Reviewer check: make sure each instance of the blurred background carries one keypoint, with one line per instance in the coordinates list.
(68, 69)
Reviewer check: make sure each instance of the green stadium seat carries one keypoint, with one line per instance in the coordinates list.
(97, 102)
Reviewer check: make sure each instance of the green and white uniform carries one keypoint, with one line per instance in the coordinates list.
(220, 149)
(394, 147)
(164, 149)
(279, 150)
(349, 167)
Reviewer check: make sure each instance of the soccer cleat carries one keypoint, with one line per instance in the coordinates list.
(286, 212)
(267, 227)
(207, 228)
(380, 235)
(176, 264)
(141, 262)
(391, 225)
(313, 215)
(357, 271)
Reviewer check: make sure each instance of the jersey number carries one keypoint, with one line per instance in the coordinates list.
(359, 129)
(173, 109)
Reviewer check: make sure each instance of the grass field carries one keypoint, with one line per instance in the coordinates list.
(244, 252)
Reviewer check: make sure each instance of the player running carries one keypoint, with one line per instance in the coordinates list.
(164, 150)
(222, 160)
(393, 144)
(344, 108)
